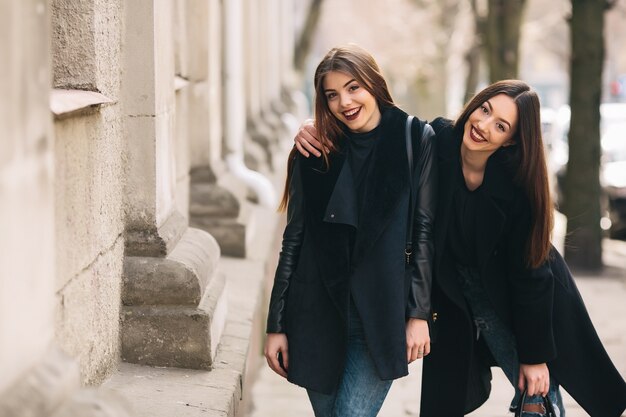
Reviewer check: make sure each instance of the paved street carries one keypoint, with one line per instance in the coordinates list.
(605, 297)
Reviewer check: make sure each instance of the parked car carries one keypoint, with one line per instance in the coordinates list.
(613, 161)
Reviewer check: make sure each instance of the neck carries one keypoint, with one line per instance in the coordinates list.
(473, 166)
(473, 161)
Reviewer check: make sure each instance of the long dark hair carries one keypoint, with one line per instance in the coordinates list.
(528, 160)
(360, 65)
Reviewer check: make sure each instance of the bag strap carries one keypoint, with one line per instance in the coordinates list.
(408, 250)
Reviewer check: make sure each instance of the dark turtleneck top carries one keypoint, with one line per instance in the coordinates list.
(360, 146)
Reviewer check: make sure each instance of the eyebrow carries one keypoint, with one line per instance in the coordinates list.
(345, 85)
(491, 110)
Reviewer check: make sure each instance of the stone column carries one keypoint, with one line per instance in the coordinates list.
(173, 304)
(212, 207)
(260, 132)
(296, 104)
(270, 19)
(235, 105)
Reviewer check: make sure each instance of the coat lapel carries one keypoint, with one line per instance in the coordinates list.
(498, 189)
(387, 182)
(342, 205)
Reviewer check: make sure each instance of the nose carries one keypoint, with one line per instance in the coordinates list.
(482, 124)
(345, 100)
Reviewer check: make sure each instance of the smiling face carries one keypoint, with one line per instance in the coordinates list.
(492, 125)
(350, 102)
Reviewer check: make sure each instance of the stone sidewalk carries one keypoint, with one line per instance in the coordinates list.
(604, 295)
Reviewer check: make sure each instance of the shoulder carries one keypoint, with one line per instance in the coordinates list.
(447, 140)
(442, 125)
(300, 161)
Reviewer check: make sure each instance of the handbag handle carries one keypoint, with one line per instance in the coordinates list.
(408, 250)
(547, 403)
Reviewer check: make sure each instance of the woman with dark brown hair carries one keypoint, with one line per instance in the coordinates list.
(502, 295)
(349, 305)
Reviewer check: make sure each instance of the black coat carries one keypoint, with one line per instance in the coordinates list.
(542, 306)
(329, 241)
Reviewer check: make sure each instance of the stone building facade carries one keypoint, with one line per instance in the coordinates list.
(137, 185)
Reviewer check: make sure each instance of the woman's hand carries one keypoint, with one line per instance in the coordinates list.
(275, 344)
(306, 139)
(417, 339)
(535, 378)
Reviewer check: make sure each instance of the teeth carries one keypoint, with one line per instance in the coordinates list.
(351, 112)
(476, 135)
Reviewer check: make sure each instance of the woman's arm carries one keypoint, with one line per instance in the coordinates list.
(288, 259)
(276, 346)
(426, 183)
(418, 300)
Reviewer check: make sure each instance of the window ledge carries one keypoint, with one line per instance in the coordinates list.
(64, 103)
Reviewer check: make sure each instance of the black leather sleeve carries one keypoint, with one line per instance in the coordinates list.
(425, 180)
(288, 259)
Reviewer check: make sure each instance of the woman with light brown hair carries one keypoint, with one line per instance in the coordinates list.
(349, 304)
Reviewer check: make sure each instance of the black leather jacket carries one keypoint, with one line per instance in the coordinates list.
(421, 263)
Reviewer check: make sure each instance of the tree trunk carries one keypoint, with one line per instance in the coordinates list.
(502, 35)
(582, 191)
(303, 44)
(473, 54)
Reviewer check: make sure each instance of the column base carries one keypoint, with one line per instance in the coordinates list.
(221, 210)
(174, 308)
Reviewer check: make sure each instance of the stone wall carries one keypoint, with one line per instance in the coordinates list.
(26, 193)
(114, 138)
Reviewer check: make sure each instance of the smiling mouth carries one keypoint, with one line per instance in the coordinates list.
(475, 136)
(352, 114)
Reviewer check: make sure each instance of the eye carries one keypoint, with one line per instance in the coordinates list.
(354, 87)
(484, 109)
(500, 127)
(330, 96)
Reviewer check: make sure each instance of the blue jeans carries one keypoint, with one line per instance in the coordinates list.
(500, 339)
(361, 392)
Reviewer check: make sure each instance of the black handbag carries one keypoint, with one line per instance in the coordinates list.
(546, 403)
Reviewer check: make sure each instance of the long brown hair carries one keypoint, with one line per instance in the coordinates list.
(360, 65)
(529, 161)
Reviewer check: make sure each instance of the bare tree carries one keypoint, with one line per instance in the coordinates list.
(497, 31)
(582, 192)
(501, 36)
(473, 54)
